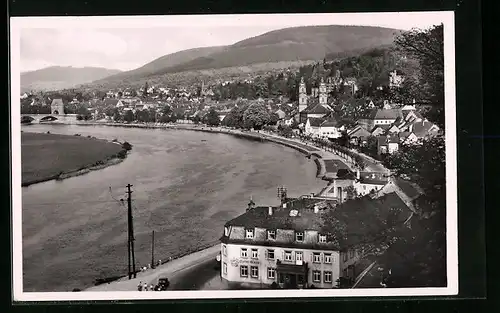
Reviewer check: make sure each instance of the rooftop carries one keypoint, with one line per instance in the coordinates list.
(381, 114)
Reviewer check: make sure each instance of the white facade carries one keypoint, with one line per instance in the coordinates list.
(329, 132)
(257, 264)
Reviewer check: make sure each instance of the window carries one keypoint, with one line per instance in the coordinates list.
(364, 187)
(271, 273)
(249, 234)
(317, 257)
(226, 231)
(328, 277)
(243, 271)
(328, 258)
(224, 268)
(299, 236)
(288, 255)
(317, 276)
(270, 254)
(345, 272)
(351, 254)
(299, 256)
(271, 234)
(345, 256)
(322, 238)
(255, 254)
(244, 252)
(300, 279)
(224, 250)
(255, 271)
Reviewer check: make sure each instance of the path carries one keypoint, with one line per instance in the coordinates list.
(173, 270)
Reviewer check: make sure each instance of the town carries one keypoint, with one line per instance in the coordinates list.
(374, 132)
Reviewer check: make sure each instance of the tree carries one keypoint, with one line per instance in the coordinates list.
(129, 116)
(145, 92)
(427, 48)
(256, 116)
(212, 118)
(273, 119)
(351, 192)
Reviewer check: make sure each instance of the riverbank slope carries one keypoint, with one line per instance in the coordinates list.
(49, 156)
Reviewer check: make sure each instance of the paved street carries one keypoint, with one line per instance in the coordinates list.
(200, 263)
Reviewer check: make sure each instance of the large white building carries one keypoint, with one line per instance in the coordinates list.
(288, 245)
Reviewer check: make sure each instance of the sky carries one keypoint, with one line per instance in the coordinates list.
(127, 43)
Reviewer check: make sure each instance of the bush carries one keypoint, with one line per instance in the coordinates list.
(127, 146)
(79, 117)
(274, 285)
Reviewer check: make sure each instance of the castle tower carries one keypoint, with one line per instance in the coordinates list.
(57, 107)
(323, 96)
(302, 95)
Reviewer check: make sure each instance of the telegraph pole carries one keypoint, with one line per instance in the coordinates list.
(130, 234)
(153, 250)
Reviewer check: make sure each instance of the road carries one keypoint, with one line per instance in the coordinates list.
(195, 268)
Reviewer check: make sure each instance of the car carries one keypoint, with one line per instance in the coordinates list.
(162, 285)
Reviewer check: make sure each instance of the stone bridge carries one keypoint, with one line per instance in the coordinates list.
(66, 119)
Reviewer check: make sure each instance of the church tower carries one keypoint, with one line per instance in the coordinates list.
(323, 97)
(302, 95)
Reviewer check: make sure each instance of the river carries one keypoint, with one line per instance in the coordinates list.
(186, 185)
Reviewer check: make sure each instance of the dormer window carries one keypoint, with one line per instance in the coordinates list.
(322, 239)
(226, 231)
(249, 234)
(271, 234)
(299, 236)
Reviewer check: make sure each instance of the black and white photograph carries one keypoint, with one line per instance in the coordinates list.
(234, 156)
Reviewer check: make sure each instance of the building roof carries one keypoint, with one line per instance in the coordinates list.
(57, 102)
(358, 131)
(380, 114)
(111, 101)
(281, 219)
(315, 108)
(410, 189)
(360, 218)
(331, 122)
(421, 129)
(315, 121)
(358, 221)
(383, 127)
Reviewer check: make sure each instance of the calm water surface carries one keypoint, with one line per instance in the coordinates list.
(186, 186)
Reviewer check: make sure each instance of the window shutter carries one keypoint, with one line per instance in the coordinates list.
(322, 257)
(312, 257)
(266, 254)
(293, 255)
(283, 256)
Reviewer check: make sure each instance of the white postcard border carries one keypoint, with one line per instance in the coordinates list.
(16, 24)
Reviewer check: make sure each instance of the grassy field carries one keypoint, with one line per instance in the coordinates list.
(46, 156)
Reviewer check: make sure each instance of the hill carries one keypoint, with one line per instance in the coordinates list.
(284, 46)
(165, 61)
(60, 77)
(291, 44)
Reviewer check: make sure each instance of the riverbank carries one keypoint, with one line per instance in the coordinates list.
(309, 151)
(48, 157)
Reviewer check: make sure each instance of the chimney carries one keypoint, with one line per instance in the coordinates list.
(358, 174)
(270, 210)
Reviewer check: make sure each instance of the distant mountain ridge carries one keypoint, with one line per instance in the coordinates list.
(61, 77)
(291, 45)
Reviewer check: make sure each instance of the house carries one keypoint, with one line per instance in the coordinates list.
(393, 129)
(405, 189)
(380, 130)
(117, 103)
(330, 129)
(312, 126)
(283, 245)
(369, 182)
(363, 183)
(281, 114)
(424, 129)
(376, 117)
(395, 80)
(387, 144)
(290, 245)
(358, 135)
